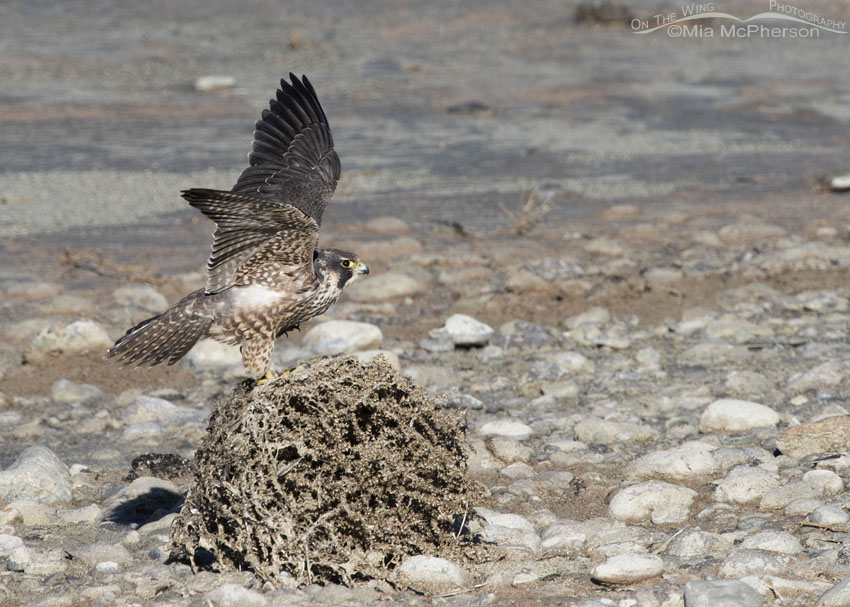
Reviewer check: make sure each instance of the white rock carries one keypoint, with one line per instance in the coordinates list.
(381, 287)
(731, 415)
(214, 83)
(87, 515)
(36, 475)
(8, 544)
(773, 541)
(831, 516)
(592, 430)
(674, 465)
(211, 354)
(141, 296)
(596, 315)
(745, 484)
(107, 567)
(465, 331)
(827, 481)
(513, 521)
(781, 496)
(338, 336)
(573, 362)
(564, 535)
(802, 505)
(235, 595)
(507, 427)
(742, 562)
(657, 501)
(79, 336)
(694, 543)
(628, 568)
(512, 538)
(19, 559)
(433, 570)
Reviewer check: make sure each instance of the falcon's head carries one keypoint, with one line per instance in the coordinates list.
(343, 265)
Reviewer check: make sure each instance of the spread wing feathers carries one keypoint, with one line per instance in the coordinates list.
(166, 337)
(249, 226)
(293, 159)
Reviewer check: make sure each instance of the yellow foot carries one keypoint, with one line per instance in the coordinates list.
(270, 377)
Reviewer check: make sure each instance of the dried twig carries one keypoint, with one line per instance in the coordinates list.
(93, 261)
(532, 209)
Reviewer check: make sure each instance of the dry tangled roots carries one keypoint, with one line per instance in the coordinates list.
(333, 473)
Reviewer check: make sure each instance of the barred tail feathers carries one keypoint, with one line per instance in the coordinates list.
(167, 337)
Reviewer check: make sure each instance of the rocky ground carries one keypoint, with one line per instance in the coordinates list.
(657, 406)
(610, 252)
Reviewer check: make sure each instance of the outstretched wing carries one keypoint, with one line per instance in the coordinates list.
(293, 159)
(251, 225)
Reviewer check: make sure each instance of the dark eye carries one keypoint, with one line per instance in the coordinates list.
(346, 263)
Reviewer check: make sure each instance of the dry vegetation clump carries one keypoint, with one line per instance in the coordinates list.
(333, 473)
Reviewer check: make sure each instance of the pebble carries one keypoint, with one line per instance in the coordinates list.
(831, 435)
(773, 541)
(830, 516)
(211, 354)
(595, 431)
(338, 336)
(674, 465)
(837, 596)
(467, 332)
(144, 297)
(74, 338)
(8, 544)
(824, 375)
(628, 568)
(65, 391)
(656, 501)
(721, 593)
(731, 415)
(234, 595)
(745, 485)
(383, 287)
(827, 481)
(510, 428)
(425, 569)
(38, 475)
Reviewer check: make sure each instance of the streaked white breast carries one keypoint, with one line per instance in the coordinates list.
(256, 296)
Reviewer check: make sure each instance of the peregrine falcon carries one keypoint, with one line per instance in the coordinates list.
(265, 275)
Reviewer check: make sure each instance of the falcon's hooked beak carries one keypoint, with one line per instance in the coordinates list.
(360, 268)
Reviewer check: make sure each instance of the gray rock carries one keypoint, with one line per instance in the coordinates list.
(721, 593)
(524, 334)
(148, 408)
(65, 391)
(19, 558)
(830, 516)
(695, 543)
(742, 562)
(97, 553)
(628, 568)
(425, 569)
(338, 336)
(779, 497)
(38, 475)
(827, 481)
(466, 331)
(142, 430)
(837, 596)
(235, 595)
(512, 538)
(824, 375)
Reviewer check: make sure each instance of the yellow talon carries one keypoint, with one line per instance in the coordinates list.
(269, 376)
